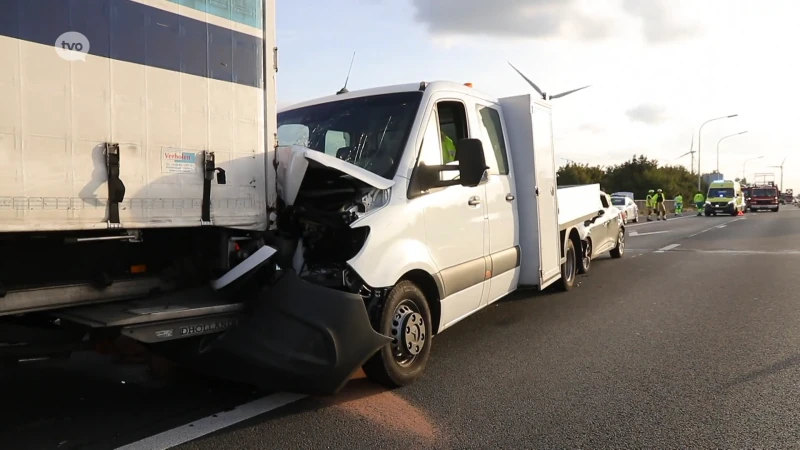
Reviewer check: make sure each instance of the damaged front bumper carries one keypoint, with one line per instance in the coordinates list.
(296, 337)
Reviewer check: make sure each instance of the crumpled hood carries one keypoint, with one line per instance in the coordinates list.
(294, 161)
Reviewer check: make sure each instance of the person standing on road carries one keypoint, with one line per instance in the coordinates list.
(699, 202)
(661, 208)
(678, 204)
(649, 203)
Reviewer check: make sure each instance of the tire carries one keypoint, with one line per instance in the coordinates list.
(391, 366)
(586, 261)
(570, 268)
(776, 209)
(619, 250)
(707, 213)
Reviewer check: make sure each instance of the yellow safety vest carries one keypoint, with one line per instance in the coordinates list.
(698, 198)
(649, 200)
(679, 199)
(448, 149)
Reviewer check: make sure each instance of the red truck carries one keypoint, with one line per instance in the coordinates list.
(765, 196)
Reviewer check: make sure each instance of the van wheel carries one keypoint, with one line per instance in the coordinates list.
(406, 318)
(586, 260)
(569, 268)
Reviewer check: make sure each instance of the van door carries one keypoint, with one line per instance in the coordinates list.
(503, 250)
(455, 218)
(547, 210)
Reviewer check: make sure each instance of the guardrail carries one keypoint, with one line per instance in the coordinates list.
(670, 205)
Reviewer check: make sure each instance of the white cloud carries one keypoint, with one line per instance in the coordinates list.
(659, 23)
(647, 113)
(582, 20)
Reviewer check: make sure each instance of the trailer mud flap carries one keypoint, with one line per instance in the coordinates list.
(298, 337)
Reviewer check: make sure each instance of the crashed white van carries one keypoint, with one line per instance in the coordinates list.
(369, 209)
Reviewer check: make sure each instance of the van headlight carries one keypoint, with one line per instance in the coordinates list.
(374, 200)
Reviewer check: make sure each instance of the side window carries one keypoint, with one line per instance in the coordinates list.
(335, 140)
(453, 126)
(604, 201)
(493, 130)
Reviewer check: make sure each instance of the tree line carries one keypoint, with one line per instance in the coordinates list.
(638, 175)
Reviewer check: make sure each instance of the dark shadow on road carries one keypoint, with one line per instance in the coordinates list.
(772, 369)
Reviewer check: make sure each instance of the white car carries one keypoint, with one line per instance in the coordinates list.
(604, 234)
(630, 212)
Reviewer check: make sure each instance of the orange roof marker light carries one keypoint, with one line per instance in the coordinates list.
(469, 85)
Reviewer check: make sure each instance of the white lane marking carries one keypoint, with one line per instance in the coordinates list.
(746, 252)
(215, 422)
(635, 233)
(715, 227)
(667, 248)
(632, 225)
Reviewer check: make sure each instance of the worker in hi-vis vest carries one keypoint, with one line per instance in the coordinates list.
(649, 204)
(448, 149)
(699, 202)
(678, 204)
(661, 205)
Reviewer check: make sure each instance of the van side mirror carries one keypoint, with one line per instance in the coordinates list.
(471, 161)
(471, 167)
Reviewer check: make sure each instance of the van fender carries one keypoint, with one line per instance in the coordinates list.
(384, 265)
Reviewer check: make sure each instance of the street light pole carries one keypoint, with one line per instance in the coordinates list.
(699, 135)
(744, 165)
(722, 139)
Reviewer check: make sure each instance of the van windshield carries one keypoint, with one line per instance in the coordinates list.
(767, 192)
(720, 193)
(369, 132)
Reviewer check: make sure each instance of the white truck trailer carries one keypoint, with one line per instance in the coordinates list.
(287, 267)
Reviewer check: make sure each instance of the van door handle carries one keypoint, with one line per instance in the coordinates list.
(509, 197)
(474, 201)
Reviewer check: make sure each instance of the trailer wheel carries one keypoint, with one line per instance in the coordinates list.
(406, 318)
(569, 268)
(586, 260)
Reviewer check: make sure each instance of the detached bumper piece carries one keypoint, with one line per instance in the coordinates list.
(298, 337)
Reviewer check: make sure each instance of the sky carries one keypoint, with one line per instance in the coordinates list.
(658, 69)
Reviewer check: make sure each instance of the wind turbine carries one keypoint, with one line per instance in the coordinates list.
(544, 95)
(690, 152)
(780, 167)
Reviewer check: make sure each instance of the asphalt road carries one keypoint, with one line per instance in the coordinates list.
(690, 340)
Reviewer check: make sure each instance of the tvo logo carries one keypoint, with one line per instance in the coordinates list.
(72, 46)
